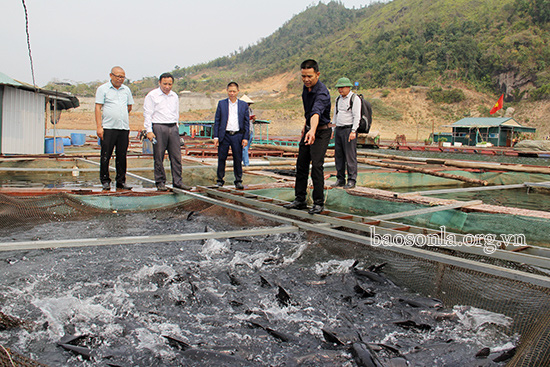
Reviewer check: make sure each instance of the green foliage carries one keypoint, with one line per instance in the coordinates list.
(439, 95)
(541, 93)
(394, 44)
(538, 10)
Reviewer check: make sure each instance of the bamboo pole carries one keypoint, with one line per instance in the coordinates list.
(500, 167)
(423, 170)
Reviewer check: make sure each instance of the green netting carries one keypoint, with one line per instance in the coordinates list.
(536, 230)
(410, 181)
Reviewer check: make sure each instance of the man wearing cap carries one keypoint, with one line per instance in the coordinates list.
(314, 141)
(347, 114)
(248, 101)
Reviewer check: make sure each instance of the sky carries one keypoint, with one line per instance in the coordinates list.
(80, 40)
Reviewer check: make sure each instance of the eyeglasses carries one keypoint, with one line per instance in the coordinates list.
(119, 76)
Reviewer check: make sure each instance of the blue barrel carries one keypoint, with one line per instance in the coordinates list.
(49, 146)
(78, 139)
(66, 141)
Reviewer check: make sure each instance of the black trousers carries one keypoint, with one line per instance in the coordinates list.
(236, 144)
(345, 154)
(314, 154)
(168, 139)
(114, 138)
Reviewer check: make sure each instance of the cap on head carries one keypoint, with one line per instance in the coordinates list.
(343, 82)
(246, 99)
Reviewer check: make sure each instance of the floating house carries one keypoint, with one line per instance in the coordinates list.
(499, 131)
(24, 114)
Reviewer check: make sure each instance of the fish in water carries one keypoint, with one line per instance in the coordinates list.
(70, 338)
(274, 333)
(422, 303)
(177, 343)
(363, 355)
(278, 335)
(190, 215)
(506, 355)
(377, 268)
(375, 277)
(410, 324)
(233, 279)
(483, 353)
(83, 351)
(283, 297)
(363, 292)
(331, 337)
(264, 283)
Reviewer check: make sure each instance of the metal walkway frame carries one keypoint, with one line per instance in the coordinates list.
(330, 223)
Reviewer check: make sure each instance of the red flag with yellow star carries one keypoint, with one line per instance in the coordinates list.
(497, 105)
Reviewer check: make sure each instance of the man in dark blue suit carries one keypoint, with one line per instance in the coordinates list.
(231, 129)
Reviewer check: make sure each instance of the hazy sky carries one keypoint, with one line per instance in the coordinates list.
(79, 40)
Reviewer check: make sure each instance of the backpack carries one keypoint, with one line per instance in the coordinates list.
(366, 113)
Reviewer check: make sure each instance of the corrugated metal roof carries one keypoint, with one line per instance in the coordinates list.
(4, 79)
(64, 100)
(485, 122)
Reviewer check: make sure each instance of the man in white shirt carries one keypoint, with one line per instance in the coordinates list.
(161, 117)
(347, 114)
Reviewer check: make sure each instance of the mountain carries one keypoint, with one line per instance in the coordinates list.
(492, 45)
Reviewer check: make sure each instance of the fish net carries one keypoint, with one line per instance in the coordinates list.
(527, 304)
(9, 358)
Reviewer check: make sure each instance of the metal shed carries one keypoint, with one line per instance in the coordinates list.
(23, 113)
(500, 131)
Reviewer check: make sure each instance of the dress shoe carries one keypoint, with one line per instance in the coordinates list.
(239, 186)
(106, 186)
(316, 209)
(296, 205)
(162, 187)
(123, 187)
(349, 185)
(183, 187)
(338, 183)
(219, 183)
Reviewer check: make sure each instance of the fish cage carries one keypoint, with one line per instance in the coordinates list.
(228, 278)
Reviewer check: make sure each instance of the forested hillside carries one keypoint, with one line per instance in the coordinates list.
(489, 44)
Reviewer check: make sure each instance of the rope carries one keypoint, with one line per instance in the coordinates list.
(28, 41)
(9, 356)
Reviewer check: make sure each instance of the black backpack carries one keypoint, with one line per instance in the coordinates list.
(366, 113)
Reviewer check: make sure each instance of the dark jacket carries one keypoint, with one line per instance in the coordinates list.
(222, 115)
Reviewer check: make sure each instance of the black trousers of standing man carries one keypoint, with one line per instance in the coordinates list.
(114, 138)
(235, 141)
(314, 154)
